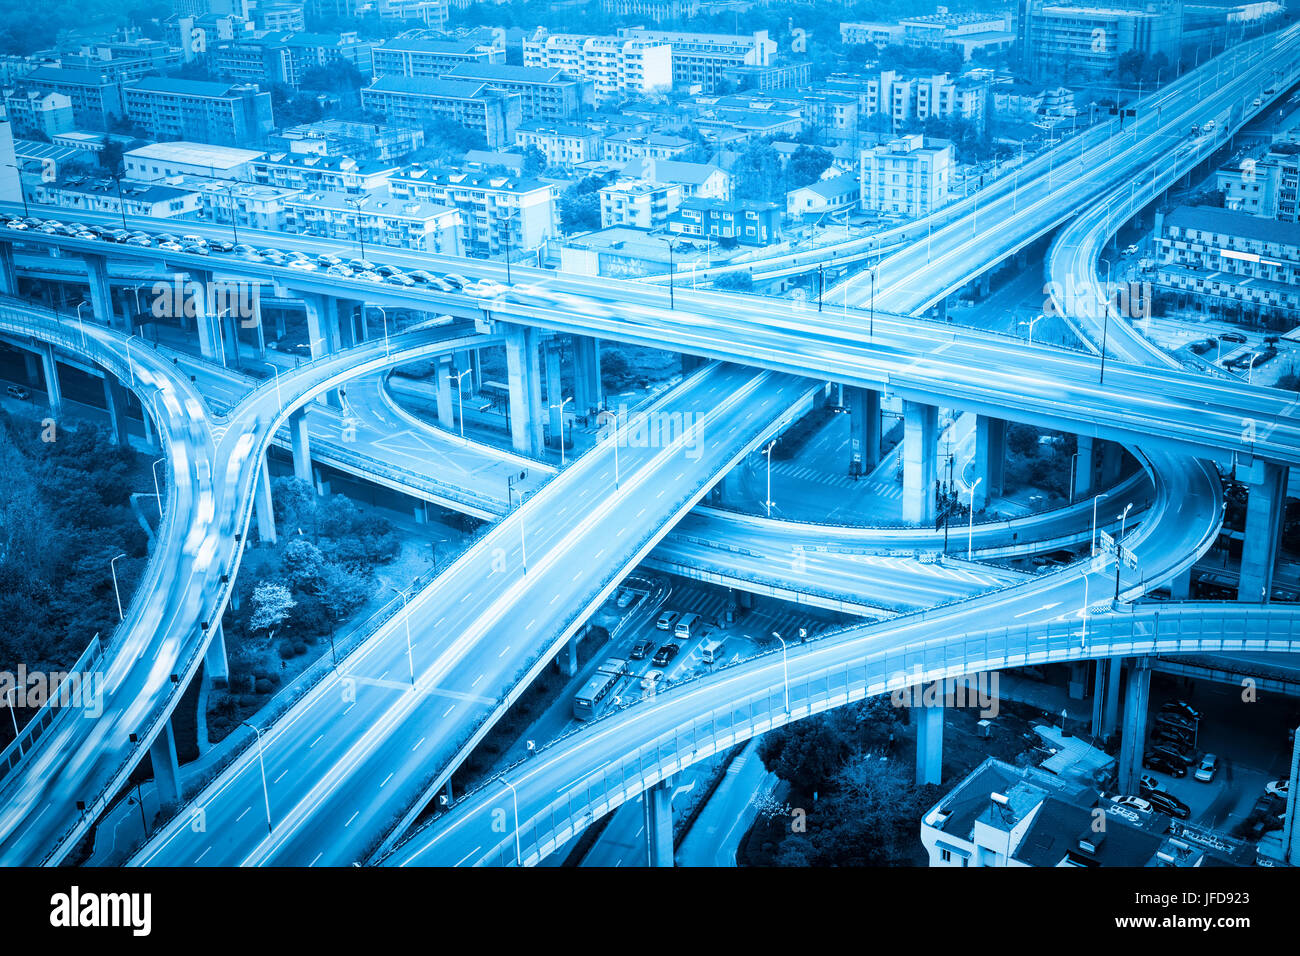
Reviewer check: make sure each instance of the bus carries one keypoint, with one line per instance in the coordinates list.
(592, 698)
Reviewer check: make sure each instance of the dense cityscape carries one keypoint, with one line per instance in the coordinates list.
(649, 433)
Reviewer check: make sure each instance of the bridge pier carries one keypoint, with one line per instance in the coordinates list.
(659, 823)
(554, 390)
(1105, 695)
(442, 377)
(300, 444)
(1133, 734)
(990, 458)
(115, 398)
(215, 665)
(1111, 464)
(929, 734)
(50, 373)
(32, 365)
(101, 293)
(323, 335)
(690, 363)
(920, 437)
(166, 768)
(262, 505)
(586, 374)
(1180, 587)
(864, 428)
(525, 390)
(255, 319)
(211, 346)
(1084, 465)
(1264, 512)
(8, 274)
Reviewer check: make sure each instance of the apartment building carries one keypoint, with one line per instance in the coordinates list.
(962, 32)
(870, 33)
(616, 68)
(899, 99)
(1230, 261)
(700, 59)
(101, 195)
(544, 94)
(747, 222)
(563, 146)
(376, 220)
(638, 204)
(344, 138)
(434, 14)
(495, 210)
(420, 101)
(656, 11)
(288, 57)
(416, 56)
(158, 162)
(310, 172)
(1265, 187)
(1079, 41)
(219, 113)
(908, 176)
(626, 146)
(96, 100)
(695, 179)
(33, 112)
(240, 205)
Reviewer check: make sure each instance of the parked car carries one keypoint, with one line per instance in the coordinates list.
(361, 265)
(1182, 735)
(1208, 767)
(1176, 720)
(1181, 706)
(385, 270)
(1235, 337)
(641, 648)
(302, 265)
(457, 280)
(663, 657)
(245, 251)
(369, 276)
(666, 620)
(221, 245)
(328, 259)
(1163, 802)
(419, 275)
(195, 248)
(341, 271)
(1154, 761)
(1133, 803)
(650, 682)
(1170, 755)
(1278, 788)
(397, 278)
(625, 596)
(17, 391)
(1149, 784)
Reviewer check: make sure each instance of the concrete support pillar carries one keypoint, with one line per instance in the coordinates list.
(115, 398)
(255, 320)
(166, 768)
(690, 363)
(101, 296)
(322, 482)
(1291, 821)
(446, 410)
(929, 734)
(864, 429)
(1111, 464)
(50, 375)
(1101, 670)
(587, 393)
(321, 333)
(1264, 512)
(525, 390)
(1110, 714)
(301, 444)
(345, 323)
(215, 665)
(421, 511)
(8, 274)
(1180, 588)
(554, 393)
(990, 456)
(1077, 686)
(570, 656)
(32, 364)
(659, 823)
(920, 450)
(210, 345)
(941, 309)
(262, 504)
(1133, 735)
(1084, 464)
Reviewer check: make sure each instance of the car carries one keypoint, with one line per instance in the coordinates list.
(85, 234)
(195, 249)
(1278, 788)
(442, 285)
(1176, 757)
(1181, 706)
(116, 235)
(650, 682)
(274, 256)
(1163, 802)
(1238, 339)
(138, 241)
(1208, 767)
(19, 224)
(1203, 346)
(1149, 784)
(165, 237)
(1133, 803)
(369, 276)
(1154, 761)
(328, 259)
(300, 256)
(171, 246)
(485, 289)
(663, 657)
(1130, 250)
(1176, 744)
(641, 648)
(396, 278)
(245, 251)
(424, 278)
(1176, 720)
(17, 391)
(361, 265)
(221, 245)
(302, 265)
(1178, 731)
(667, 619)
(339, 270)
(385, 270)
(456, 279)
(625, 596)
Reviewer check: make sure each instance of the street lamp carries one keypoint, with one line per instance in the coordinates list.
(460, 399)
(1031, 325)
(407, 620)
(261, 763)
(9, 699)
(384, 315)
(672, 244)
(785, 670)
(1119, 543)
(22, 192)
(112, 566)
(1105, 328)
(1250, 372)
(768, 452)
(276, 369)
(514, 796)
(129, 363)
(970, 528)
(234, 225)
(361, 239)
(81, 323)
(561, 408)
(157, 493)
(1096, 499)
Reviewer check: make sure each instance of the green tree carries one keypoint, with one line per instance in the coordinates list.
(806, 165)
(272, 603)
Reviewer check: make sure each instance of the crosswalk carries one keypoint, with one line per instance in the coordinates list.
(878, 489)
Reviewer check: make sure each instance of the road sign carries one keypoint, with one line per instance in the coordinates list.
(1129, 558)
(1107, 543)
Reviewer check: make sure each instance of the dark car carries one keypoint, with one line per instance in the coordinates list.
(419, 275)
(1181, 707)
(1170, 755)
(664, 655)
(1172, 719)
(1158, 762)
(385, 270)
(1174, 742)
(1163, 802)
(640, 649)
(1203, 346)
(1236, 337)
(1174, 728)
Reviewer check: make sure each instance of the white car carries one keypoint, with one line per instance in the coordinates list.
(1207, 768)
(1133, 803)
(651, 681)
(302, 265)
(485, 289)
(1278, 788)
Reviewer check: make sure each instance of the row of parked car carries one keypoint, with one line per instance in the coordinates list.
(327, 264)
(1173, 743)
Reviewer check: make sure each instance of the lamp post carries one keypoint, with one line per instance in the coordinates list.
(1031, 325)
(407, 620)
(768, 452)
(509, 227)
(129, 364)
(970, 528)
(384, 315)
(22, 192)
(1105, 328)
(514, 796)
(1094, 519)
(121, 203)
(672, 302)
(261, 763)
(81, 323)
(1119, 543)
(561, 408)
(276, 370)
(785, 670)
(234, 224)
(1074, 464)
(157, 493)
(460, 400)
(112, 566)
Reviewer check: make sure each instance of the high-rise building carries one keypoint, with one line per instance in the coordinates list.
(219, 113)
(908, 176)
(617, 68)
(1062, 39)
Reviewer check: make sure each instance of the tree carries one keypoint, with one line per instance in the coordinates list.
(806, 165)
(758, 173)
(304, 564)
(534, 161)
(272, 603)
(735, 281)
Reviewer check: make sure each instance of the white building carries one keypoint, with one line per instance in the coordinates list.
(637, 203)
(159, 161)
(907, 176)
(696, 179)
(834, 194)
(562, 145)
(700, 59)
(617, 68)
(377, 219)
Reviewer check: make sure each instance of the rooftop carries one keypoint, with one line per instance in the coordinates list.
(197, 154)
(1227, 223)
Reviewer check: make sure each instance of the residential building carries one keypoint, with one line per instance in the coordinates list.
(722, 124)
(617, 68)
(873, 34)
(96, 100)
(638, 204)
(657, 11)
(434, 14)
(700, 59)
(219, 113)
(310, 172)
(898, 99)
(963, 32)
(32, 111)
(770, 76)
(161, 161)
(196, 36)
(278, 17)
(544, 94)
(1079, 41)
(288, 57)
(748, 222)
(496, 211)
(419, 101)
(1265, 187)
(1231, 261)
(625, 147)
(417, 56)
(1033, 102)
(832, 195)
(240, 204)
(151, 200)
(622, 252)
(344, 138)
(378, 219)
(562, 145)
(695, 179)
(908, 176)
